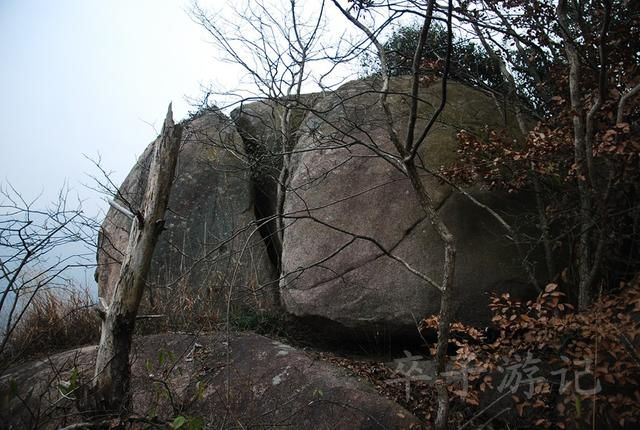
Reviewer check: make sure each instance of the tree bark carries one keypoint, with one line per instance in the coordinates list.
(582, 154)
(111, 383)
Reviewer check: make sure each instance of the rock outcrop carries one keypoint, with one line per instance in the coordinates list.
(210, 246)
(237, 381)
(345, 195)
(343, 202)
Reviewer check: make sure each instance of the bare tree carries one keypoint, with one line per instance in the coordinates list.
(522, 65)
(39, 250)
(265, 63)
(407, 149)
(276, 49)
(111, 387)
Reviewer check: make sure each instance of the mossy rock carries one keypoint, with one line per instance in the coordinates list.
(341, 184)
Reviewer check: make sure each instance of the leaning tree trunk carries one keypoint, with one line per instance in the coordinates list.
(111, 383)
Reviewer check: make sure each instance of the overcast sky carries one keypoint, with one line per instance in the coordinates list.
(92, 77)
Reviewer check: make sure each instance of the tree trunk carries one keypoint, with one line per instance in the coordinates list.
(408, 152)
(283, 178)
(111, 383)
(581, 161)
(447, 305)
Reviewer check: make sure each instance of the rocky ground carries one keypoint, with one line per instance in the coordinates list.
(240, 380)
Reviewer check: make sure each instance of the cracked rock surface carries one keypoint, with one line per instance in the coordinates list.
(207, 247)
(345, 203)
(236, 381)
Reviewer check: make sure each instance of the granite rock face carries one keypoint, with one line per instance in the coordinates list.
(343, 200)
(228, 382)
(347, 196)
(210, 245)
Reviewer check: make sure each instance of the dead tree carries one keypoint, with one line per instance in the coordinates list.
(111, 383)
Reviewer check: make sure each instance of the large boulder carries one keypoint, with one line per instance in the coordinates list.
(227, 381)
(210, 247)
(346, 199)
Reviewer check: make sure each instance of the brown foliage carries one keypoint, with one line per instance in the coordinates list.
(581, 158)
(54, 322)
(568, 368)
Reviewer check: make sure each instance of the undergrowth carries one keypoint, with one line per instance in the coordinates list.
(552, 366)
(53, 321)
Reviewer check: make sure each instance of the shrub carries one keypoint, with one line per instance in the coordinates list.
(569, 369)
